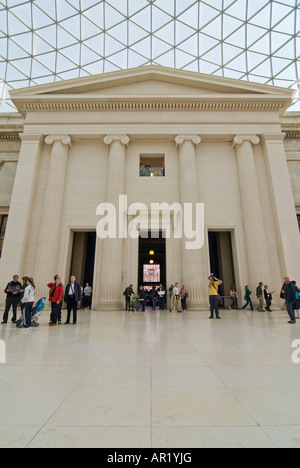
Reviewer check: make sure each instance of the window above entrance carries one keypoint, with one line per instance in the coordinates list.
(152, 165)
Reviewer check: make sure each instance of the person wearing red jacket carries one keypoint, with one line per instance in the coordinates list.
(56, 297)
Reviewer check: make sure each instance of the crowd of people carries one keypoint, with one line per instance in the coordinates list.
(156, 296)
(290, 293)
(23, 295)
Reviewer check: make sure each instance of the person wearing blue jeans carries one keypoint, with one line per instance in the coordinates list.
(248, 298)
(213, 286)
(288, 292)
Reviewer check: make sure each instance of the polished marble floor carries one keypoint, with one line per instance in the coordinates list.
(152, 380)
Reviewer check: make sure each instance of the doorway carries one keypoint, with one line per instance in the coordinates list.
(152, 260)
(83, 257)
(221, 261)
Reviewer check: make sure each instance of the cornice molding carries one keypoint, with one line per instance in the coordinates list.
(170, 104)
(11, 136)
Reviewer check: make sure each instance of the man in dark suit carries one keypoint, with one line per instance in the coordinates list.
(72, 298)
(13, 291)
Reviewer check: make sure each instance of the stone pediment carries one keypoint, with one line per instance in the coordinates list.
(152, 88)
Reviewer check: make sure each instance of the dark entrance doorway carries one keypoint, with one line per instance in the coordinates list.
(83, 257)
(152, 260)
(221, 261)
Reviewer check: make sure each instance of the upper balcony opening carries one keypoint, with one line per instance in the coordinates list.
(152, 165)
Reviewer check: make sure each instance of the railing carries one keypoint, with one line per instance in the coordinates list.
(152, 172)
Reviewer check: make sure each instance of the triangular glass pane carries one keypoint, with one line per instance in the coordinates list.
(120, 59)
(262, 18)
(159, 47)
(182, 5)
(112, 17)
(72, 53)
(191, 16)
(88, 56)
(166, 60)
(24, 13)
(120, 6)
(206, 43)
(238, 10)
(15, 26)
(88, 29)
(183, 59)
(40, 19)
(279, 11)
(137, 5)
(288, 24)
(207, 14)
(143, 19)
(230, 25)
(159, 19)
(214, 28)
(48, 7)
(183, 32)
(143, 47)
(96, 44)
(40, 46)
(96, 15)
(112, 46)
(120, 32)
(190, 45)
(168, 7)
(135, 60)
(167, 33)
(135, 33)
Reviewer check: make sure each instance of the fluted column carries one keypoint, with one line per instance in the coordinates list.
(49, 237)
(256, 241)
(193, 263)
(283, 204)
(112, 256)
(20, 213)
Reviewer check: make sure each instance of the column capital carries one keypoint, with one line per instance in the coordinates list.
(195, 139)
(240, 139)
(273, 137)
(64, 139)
(123, 139)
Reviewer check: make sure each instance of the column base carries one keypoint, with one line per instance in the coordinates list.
(198, 306)
(109, 306)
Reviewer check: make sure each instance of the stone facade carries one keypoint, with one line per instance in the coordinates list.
(76, 144)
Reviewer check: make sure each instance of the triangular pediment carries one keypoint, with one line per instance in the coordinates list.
(136, 80)
(149, 82)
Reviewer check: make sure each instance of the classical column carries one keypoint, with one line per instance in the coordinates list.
(112, 249)
(20, 212)
(193, 263)
(283, 203)
(49, 236)
(255, 235)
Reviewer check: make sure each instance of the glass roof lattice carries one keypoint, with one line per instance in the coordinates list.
(44, 41)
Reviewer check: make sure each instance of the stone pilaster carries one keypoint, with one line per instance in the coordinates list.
(283, 204)
(193, 261)
(18, 226)
(49, 236)
(255, 235)
(112, 249)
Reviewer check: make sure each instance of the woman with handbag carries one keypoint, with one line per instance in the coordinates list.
(183, 296)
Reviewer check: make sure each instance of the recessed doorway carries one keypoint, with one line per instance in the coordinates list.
(221, 261)
(152, 260)
(83, 257)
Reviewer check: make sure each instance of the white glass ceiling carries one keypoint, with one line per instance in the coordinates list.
(42, 41)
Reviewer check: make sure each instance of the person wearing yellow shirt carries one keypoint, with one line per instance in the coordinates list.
(213, 286)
